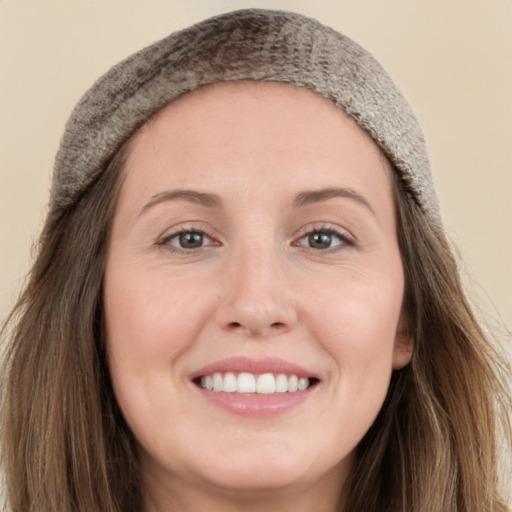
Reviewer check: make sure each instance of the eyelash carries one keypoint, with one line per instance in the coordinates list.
(166, 239)
(345, 240)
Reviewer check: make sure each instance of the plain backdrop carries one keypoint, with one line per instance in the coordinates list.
(452, 60)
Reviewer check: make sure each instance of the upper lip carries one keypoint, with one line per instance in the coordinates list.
(242, 364)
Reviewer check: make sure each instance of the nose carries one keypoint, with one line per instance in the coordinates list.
(257, 297)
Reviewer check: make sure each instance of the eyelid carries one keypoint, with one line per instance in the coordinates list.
(347, 239)
(188, 227)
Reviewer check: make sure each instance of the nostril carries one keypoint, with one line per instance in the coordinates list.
(275, 326)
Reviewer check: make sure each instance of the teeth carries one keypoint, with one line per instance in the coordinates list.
(265, 383)
(246, 383)
(293, 383)
(303, 384)
(217, 382)
(229, 384)
(282, 383)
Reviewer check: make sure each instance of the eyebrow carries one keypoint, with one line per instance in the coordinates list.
(213, 201)
(316, 196)
(192, 196)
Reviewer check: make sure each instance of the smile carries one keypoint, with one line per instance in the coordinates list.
(255, 387)
(249, 383)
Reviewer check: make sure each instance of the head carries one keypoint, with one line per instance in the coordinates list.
(409, 428)
(255, 171)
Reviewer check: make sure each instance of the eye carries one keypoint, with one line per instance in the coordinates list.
(187, 240)
(323, 239)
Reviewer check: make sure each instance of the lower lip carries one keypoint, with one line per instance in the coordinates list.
(257, 405)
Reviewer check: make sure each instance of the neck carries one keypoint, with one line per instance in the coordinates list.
(326, 495)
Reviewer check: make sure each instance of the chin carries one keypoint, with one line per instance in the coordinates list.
(268, 466)
(254, 478)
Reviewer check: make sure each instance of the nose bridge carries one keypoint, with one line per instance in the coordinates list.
(256, 296)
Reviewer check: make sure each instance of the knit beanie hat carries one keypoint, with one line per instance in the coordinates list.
(251, 44)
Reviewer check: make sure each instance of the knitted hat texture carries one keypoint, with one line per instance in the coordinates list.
(251, 44)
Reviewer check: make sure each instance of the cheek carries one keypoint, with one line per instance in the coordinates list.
(356, 319)
(361, 314)
(148, 315)
(149, 324)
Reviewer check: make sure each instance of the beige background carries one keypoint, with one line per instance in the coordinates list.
(452, 59)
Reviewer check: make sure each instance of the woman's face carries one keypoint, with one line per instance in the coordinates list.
(253, 246)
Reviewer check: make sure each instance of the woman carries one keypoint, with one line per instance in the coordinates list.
(244, 298)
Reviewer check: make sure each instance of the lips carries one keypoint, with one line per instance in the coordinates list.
(241, 364)
(254, 387)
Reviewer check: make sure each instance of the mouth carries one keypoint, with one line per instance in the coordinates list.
(254, 383)
(255, 388)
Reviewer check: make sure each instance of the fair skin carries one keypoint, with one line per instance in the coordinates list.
(265, 269)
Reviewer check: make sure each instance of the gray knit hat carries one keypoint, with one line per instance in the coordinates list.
(250, 44)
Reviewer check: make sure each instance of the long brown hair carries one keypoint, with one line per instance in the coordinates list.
(66, 447)
(433, 446)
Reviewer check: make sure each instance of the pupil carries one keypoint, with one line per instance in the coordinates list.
(191, 240)
(320, 240)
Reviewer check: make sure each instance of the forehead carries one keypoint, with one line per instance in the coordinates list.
(274, 132)
(284, 110)
(287, 101)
